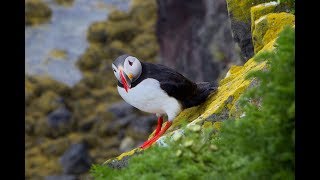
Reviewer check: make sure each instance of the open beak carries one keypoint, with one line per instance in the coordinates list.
(125, 81)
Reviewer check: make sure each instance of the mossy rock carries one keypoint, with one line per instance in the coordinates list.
(268, 27)
(64, 2)
(93, 80)
(117, 15)
(36, 12)
(82, 106)
(46, 103)
(29, 91)
(45, 165)
(91, 59)
(123, 30)
(240, 9)
(35, 86)
(97, 33)
(55, 147)
(58, 54)
(144, 13)
(121, 46)
(145, 46)
(29, 125)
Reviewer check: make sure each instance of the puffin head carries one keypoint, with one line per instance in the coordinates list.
(127, 69)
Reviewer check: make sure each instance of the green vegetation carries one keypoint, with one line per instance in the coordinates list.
(260, 145)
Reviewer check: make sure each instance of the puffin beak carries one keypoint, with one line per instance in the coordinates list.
(125, 81)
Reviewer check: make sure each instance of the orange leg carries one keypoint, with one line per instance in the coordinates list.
(156, 137)
(160, 121)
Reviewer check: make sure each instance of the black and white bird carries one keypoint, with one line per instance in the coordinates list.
(157, 89)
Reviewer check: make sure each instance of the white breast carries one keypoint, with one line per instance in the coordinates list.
(149, 97)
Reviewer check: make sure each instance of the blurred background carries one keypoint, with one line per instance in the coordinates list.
(74, 116)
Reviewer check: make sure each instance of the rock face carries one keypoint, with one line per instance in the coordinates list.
(195, 37)
(242, 16)
(59, 117)
(36, 12)
(121, 109)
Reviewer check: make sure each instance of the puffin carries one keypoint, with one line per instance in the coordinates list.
(157, 89)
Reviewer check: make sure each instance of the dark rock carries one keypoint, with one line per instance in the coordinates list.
(187, 34)
(242, 35)
(62, 177)
(121, 109)
(76, 159)
(59, 117)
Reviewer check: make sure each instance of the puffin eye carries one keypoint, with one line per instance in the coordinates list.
(130, 63)
(114, 70)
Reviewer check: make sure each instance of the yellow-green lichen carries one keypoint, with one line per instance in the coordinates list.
(261, 10)
(240, 9)
(58, 53)
(268, 27)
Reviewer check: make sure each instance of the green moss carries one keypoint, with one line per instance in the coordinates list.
(36, 12)
(256, 146)
(268, 27)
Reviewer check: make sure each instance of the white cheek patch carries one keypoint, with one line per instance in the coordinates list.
(133, 70)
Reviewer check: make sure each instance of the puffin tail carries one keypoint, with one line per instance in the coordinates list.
(204, 89)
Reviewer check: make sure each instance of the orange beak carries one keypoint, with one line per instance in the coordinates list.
(124, 81)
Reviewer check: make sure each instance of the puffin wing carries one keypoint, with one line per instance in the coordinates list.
(172, 82)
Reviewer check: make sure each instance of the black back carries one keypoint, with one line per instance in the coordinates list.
(176, 85)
